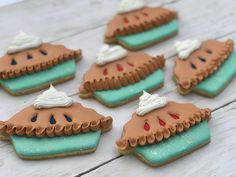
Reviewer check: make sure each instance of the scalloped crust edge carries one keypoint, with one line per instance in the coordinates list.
(86, 89)
(185, 86)
(77, 54)
(126, 145)
(8, 129)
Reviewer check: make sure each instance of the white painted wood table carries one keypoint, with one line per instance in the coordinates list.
(81, 24)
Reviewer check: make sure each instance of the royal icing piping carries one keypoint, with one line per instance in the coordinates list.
(52, 98)
(148, 103)
(130, 5)
(22, 42)
(185, 48)
(108, 54)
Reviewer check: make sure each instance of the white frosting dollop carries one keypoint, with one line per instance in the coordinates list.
(52, 98)
(148, 103)
(185, 48)
(130, 5)
(22, 42)
(108, 54)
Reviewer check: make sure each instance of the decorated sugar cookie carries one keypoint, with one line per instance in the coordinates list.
(30, 64)
(54, 126)
(119, 76)
(204, 67)
(137, 26)
(161, 131)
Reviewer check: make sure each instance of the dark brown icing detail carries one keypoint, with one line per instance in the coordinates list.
(160, 124)
(34, 60)
(201, 63)
(53, 121)
(138, 21)
(131, 69)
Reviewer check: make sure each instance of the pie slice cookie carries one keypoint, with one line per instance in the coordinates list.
(161, 131)
(204, 67)
(54, 126)
(119, 76)
(30, 65)
(137, 26)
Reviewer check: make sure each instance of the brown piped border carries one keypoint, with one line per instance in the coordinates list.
(35, 60)
(83, 120)
(143, 66)
(138, 21)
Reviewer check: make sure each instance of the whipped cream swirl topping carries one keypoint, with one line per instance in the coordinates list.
(148, 103)
(130, 5)
(23, 42)
(185, 48)
(52, 98)
(108, 54)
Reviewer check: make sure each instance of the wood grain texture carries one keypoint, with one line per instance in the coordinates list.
(216, 159)
(81, 24)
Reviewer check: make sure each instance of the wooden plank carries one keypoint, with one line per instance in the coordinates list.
(55, 19)
(91, 41)
(69, 166)
(216, 159)
(71, 87)
(106, 149)
(200, 24)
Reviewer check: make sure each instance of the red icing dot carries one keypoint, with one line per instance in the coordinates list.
(174, 116)
(119, 68)
(146, 126)
(105, 72)
(126, 20)
(161, 122)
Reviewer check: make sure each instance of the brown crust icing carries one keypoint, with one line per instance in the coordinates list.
(138, 21)
(201, 63)
(131, 69)
(160, 124)
(55, 121)
(34, 60)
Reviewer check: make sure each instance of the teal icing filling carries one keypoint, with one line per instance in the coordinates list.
(150, 36)
(176, 146)
(117, 96)
(33, 147)
(29, 81)
(216, 83)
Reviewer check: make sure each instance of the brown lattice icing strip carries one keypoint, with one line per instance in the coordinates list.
(34, 60)
(160, 124)
(138, 21)
(201, 63)
(134, 67)
(55, 121)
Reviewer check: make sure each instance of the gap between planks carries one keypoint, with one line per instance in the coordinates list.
(74, 94)
(120, 156)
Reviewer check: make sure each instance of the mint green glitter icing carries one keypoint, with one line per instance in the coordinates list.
(216, 83)
(33, 147)
(34, 80)
(175, 146)
(117, 96)
(150, 36)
